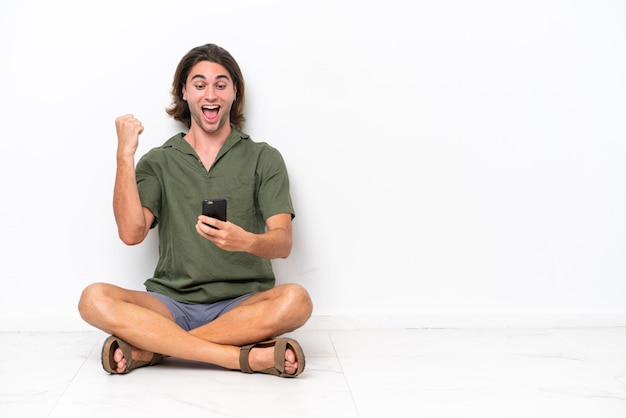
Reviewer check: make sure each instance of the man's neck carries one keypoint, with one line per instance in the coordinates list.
(202, 141)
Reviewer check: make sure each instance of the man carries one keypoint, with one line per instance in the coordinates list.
(213, 297)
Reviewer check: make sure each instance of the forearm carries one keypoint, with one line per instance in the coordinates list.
(275, 243)
(129, 213)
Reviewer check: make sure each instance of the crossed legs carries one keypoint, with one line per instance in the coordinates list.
(145, 323)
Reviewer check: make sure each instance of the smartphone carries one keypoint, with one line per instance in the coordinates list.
(214, 208)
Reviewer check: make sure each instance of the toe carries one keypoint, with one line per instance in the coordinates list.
(118, 357)
(291, 365)
(290, 356)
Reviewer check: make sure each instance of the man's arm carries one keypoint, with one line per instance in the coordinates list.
(133, 220)
(275, 242)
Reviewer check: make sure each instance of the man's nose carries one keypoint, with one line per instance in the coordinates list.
(210, 93)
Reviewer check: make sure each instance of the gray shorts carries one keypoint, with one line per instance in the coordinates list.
(189, 316)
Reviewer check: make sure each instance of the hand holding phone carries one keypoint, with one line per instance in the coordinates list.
(214, 208)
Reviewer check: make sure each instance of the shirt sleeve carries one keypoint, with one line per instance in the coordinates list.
(274, 195)
(149, 188)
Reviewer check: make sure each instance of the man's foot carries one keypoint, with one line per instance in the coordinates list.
(280, 357)
(119, 357)
(263, 358)
(137, 355)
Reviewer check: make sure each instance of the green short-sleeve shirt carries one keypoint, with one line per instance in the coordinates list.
(172, 183)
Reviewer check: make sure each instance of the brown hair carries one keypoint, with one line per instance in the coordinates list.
(179, 109)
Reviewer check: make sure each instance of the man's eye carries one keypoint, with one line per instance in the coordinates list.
(200, 86)
(221, 86)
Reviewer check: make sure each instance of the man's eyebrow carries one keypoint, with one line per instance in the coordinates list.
(203, 77)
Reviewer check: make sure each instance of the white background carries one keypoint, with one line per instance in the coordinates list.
(453, 163)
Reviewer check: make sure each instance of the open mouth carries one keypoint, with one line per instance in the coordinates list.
(210, 111)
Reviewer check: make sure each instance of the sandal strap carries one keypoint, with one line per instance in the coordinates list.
(244, 363)
(279, 356)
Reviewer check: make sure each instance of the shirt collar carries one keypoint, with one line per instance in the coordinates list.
(178, 142)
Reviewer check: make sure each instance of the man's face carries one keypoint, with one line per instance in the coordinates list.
(209, 92)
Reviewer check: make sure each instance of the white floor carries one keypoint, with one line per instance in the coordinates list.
(422, 373)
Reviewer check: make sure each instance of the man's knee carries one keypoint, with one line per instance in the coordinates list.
(91, 298)
(297, 299)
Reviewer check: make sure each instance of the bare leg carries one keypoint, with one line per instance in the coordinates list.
(145, 323)
(258, 318)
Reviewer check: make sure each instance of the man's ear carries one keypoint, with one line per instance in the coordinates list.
(184, 93)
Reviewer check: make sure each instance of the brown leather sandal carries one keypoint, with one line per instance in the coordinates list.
(108, 350)
(280, 346)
